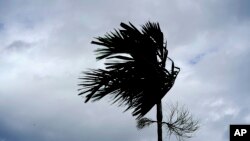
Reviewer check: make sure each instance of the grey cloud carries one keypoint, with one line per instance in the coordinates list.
(39, 101)
(1, 26)
(18, 45)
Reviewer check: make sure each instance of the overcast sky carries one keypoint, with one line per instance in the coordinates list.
(45, 44)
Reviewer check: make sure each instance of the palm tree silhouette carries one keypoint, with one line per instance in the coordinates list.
(135, 73)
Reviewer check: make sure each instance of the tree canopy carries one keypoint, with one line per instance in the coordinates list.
(135, 75)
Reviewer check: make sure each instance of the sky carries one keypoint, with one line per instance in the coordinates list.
(45, 45)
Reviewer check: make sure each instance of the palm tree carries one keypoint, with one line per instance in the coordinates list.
(135, 75)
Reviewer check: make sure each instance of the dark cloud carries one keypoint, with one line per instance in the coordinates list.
(18, 46)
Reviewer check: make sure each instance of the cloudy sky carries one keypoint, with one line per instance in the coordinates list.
(45, 44)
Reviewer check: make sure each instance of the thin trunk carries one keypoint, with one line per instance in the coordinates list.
(159, 121)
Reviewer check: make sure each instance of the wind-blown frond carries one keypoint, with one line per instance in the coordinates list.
(135, 73)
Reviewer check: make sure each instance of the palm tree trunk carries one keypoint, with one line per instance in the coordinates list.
(159, 120)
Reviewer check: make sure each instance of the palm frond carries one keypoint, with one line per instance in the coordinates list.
(181, 123)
